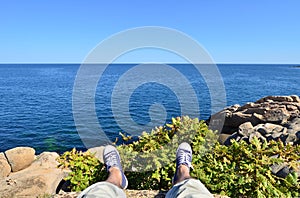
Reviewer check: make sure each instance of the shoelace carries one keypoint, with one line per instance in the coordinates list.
(112, 159)
(185, 157)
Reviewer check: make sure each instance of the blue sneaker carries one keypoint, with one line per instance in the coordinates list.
(183, 157)
(112, 159)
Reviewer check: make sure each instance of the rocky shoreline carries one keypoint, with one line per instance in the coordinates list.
(24, 174)
(270, 118)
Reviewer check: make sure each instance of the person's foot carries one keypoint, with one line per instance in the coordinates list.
(183, 162)
(112, 160)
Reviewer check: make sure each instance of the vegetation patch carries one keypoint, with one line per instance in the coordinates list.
(240, 169)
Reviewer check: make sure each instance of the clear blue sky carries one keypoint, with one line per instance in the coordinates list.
(232, 31)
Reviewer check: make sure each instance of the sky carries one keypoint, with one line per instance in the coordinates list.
(231, 31)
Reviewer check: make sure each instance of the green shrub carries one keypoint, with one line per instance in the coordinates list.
(240, 169)
(85, 169)
(152, 157)
(244, 169)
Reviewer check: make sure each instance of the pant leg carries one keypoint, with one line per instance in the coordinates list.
(102, 190)
(189, 188)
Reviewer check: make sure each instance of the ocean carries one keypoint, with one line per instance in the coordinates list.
(36, 99)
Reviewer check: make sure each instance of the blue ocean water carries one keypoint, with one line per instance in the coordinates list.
(36, 99)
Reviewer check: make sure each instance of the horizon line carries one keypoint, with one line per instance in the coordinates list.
(219, 63)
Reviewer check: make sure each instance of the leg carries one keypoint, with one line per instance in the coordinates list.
(115, 177)
(116, 181)
(182, 173)
(184, 185)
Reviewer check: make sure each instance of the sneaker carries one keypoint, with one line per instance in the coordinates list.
(112, 159)
(183, 157)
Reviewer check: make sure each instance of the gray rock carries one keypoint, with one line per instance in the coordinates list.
(216, 122)
(236, 119)
(258, 117)
(258, 110)
(234, 136)
(239, 118)
(277, 116)
(245, 139)
(283, 138)
(284, 172)
(295, 98)
(273, 128)
(45, 160)
(284, 131)
(269, 128)
(278, 98)
(5, 167)
(223, 137)
(294, 114)
(298, 134)
(234, 107)
(98, 151)
(298, 138)
(248, 106)
(276, 136)
(294, 125)
(20, 157)
(291, 107)
(277, 167)
(245, 129)
(274, 117)
(291, 139)
(261, 129)
(258, 135)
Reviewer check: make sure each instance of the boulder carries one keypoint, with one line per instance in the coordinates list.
(248, 105)
(291, 107)
(261, 129)
(294, 125)
(278, 167)
(258, 135)
(223, 137)
(295, 98)
(271, 128)
(245, 129)
(45, 160)
(239, 118)
(276, 136)
(291, 139)
(298, 138)
(5, 167)
(216, 122)
(284, 172)
(98, 152)
(234, 136)
(276, 116)
(259, 110)
(40, 178)
(20, 157)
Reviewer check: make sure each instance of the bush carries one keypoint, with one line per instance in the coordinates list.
(240, 169)
(85, 169)
(243, 169)
(157, 151)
